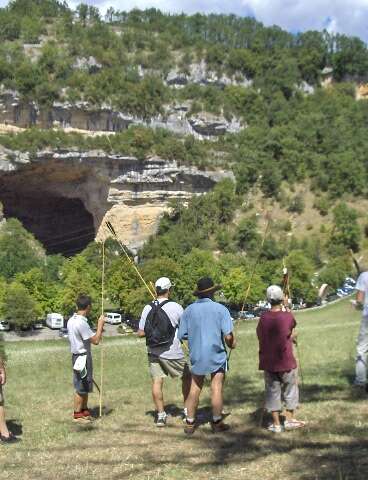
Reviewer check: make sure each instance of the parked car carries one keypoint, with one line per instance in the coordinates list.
(113, 318)
(54, 320)
(4, 326)
(63, 332)
(37, 325)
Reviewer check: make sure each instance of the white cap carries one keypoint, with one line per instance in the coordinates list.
(274, 292)
(163, 283)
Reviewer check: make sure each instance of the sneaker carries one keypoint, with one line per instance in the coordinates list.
(161, 421)
(275, 428)
(189, 428)
(78, 417)
(220, 426)
(294, 424)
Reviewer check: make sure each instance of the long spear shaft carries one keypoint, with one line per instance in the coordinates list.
(256, 263)
(102, 312)
(112, 231)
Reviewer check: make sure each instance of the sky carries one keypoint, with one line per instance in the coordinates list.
(343, 16)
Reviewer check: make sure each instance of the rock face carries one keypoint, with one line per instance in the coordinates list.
(86, 117)
(200, 74)
(63, 197)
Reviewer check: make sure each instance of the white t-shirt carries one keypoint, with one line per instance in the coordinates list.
(362, 286)
(79, 333)
(174, 312)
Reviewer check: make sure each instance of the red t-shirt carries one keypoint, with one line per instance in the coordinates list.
(275, 344)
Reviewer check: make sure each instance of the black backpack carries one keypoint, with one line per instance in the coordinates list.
(158, 328)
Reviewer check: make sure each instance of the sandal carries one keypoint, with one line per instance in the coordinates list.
(293, 424)
(10, 439)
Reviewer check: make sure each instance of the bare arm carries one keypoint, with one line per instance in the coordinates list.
(141, 333)
(2, 373)
(98, 335)
(230, 340)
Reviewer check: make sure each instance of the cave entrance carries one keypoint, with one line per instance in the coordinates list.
(50, 201)
(62, 225)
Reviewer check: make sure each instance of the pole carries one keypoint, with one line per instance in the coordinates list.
(123, 249)
(102, 313)
(256, 262)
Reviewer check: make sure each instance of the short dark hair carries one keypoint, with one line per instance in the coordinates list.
(83, 302)
(275, 302)
(160, 291)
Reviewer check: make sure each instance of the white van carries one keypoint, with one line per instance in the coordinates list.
(113, 318)
(54, 320)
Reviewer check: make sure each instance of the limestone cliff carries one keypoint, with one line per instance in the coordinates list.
(63, 197)
(86, 117)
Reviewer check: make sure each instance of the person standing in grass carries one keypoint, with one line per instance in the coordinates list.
(159, 322)
(80, 337)
(361, 303)
(208, 326)
(276, 333)
(5, 435)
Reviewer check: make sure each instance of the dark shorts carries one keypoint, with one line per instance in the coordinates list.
(83, 386)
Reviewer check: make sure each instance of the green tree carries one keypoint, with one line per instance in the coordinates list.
(346, 232)
(19, 307)
(235, 285)
(19, 250)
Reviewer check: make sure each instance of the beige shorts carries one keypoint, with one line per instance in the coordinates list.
(1, 396)
(162, 367)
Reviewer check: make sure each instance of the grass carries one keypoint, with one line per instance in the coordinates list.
(126, 444)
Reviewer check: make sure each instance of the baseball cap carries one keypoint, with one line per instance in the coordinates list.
(163, 283)
(274, 292)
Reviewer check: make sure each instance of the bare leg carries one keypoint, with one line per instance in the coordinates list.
(157, 395)
(80, 401)
(194, 393)
(3, 428)
(186, 383)
(289, 415)
(276, 417)
(217, 399)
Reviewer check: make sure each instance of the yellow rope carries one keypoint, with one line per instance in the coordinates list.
(102, 313)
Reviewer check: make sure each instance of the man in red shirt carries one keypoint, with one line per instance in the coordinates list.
(276, 334)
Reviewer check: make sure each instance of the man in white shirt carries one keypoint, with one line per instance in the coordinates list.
(166, 359)
(362, 340)
(80, 337)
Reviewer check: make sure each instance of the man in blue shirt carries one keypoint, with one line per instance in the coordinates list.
(207, 326)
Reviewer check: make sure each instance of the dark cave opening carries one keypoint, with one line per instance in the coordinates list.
(63, 225)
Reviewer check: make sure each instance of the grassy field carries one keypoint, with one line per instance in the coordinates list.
(126, 444)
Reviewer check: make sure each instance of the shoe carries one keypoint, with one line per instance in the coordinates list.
(161, 421)
(189, 428)
(86, 413)
(10, 439)
(80, 418)
(275, 428)
(220, 426)
(294, 424)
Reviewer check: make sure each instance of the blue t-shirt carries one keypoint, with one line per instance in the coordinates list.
(204, 323)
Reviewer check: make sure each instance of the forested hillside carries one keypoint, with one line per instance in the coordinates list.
(301, 148)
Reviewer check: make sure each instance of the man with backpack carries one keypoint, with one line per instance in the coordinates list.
(159, 324)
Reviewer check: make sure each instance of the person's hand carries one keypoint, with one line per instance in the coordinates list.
(2, 377)
(101, 322)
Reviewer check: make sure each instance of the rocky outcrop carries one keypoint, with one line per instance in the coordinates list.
(63, 197)
(200, 74)
(86, 117)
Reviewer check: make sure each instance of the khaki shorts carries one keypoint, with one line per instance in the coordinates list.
(162, 367)
(1, 396)
(281, 388)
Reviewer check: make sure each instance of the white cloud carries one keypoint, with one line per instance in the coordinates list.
(349, 17)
